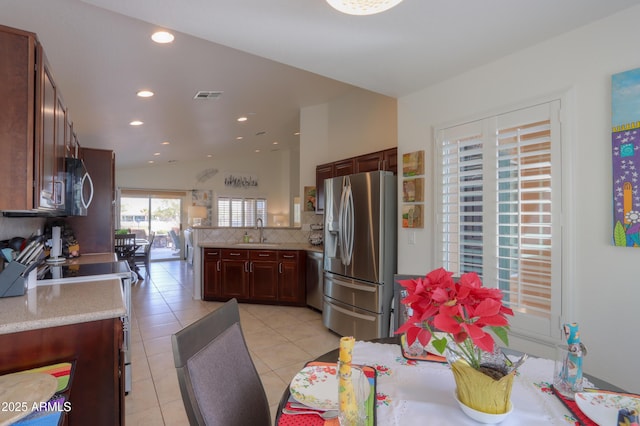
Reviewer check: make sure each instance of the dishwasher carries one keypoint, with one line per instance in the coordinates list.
(315, 291)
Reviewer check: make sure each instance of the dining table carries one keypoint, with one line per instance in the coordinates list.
(411, 391)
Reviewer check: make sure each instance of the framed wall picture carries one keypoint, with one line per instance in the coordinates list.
(412, 216)
(413, 190)
(309, 198)
(413, 163)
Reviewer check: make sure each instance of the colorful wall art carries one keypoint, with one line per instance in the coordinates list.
(412, 189)
(625, 140)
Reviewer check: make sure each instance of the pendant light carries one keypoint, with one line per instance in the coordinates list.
(362, 7)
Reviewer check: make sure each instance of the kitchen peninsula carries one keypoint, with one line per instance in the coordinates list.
(255, 272)
(74, 322)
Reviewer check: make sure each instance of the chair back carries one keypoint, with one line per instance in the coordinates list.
(218, 380)
(147, 248)
(123, 245)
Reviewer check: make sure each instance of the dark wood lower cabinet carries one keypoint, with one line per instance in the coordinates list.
(260, 276)
(97, 389)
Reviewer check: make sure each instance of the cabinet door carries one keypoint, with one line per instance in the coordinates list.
(234, 274)
(390, 160)
(369, 162)
(211, 269)
(291, 286)
(344, 167)
(324, 171)
(17, 97)
(47, 192)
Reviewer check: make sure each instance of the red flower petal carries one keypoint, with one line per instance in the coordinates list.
(446, 323)
(487, 307)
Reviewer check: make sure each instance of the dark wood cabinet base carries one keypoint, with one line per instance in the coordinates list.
(97, 391)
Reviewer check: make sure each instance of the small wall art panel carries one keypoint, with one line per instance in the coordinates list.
(625, 140)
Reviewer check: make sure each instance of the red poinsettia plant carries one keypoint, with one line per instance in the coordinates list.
(461, 311)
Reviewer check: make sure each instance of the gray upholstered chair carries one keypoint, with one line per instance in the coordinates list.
(218, 380)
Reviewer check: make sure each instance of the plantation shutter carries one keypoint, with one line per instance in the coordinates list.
(500, 212)
(239, 212)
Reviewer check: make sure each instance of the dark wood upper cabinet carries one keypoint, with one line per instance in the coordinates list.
(380, 160)
(34, 127)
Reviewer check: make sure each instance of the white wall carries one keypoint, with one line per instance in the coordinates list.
(604, 280)
(271, 168)
(357, 123)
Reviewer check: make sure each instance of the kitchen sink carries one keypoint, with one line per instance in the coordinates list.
(257, 245)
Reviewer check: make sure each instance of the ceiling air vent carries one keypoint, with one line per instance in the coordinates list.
(207, 94)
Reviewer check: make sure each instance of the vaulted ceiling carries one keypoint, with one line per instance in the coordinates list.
(268, 58)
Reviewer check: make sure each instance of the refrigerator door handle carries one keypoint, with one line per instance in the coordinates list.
(341, 223)
(353, 314)
(349, 225)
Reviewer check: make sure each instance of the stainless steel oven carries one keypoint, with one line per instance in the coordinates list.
(62, 274)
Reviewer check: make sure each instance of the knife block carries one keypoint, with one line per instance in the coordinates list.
(12, 283)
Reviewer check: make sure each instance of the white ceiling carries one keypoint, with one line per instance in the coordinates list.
(268, 57)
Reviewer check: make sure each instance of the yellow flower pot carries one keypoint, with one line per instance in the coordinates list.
(480, 391)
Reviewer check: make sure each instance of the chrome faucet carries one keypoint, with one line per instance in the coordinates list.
(261, 228)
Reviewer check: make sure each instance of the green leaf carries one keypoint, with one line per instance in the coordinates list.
(619, 235)
(501, 332)
(439, 344)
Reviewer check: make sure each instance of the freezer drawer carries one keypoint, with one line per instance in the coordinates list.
(362, 294)
(348, 320)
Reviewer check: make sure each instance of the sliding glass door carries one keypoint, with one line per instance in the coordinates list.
(159, 213)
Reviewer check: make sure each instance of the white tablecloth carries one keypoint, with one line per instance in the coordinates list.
(422, 393)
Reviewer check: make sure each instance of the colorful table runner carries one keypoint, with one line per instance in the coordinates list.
(52, 413)
(315, 420)
(411, 392)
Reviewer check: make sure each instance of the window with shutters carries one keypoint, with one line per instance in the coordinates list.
(241, 212)
(500, 210)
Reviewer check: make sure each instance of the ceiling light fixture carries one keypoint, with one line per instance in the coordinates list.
(145, 93)
(162, 37)
(241, 119)
(362, 7)
(136, 123)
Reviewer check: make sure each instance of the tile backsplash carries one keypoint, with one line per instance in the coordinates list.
(19, 226)
(272, 235)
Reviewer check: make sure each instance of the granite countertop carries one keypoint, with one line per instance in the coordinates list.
(47, 306)
(265, 246)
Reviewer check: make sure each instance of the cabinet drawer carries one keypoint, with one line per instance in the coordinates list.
(235, 254)
(290, 255)
(211, 253)
(263, 255)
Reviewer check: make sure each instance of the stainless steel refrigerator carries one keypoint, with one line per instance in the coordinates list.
(359, 253)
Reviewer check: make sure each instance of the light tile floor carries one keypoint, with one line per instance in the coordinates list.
(281, 339)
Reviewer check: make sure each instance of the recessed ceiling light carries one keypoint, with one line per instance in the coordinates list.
(145, 93)
(166, 143)
(151, 161)
(243, 118)
(257, 150)
(275, 142)
(156, 153)
(162, 37)
(209, 155)
(239, 138)
(136, 123)
(362, 7)
(296, 134)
